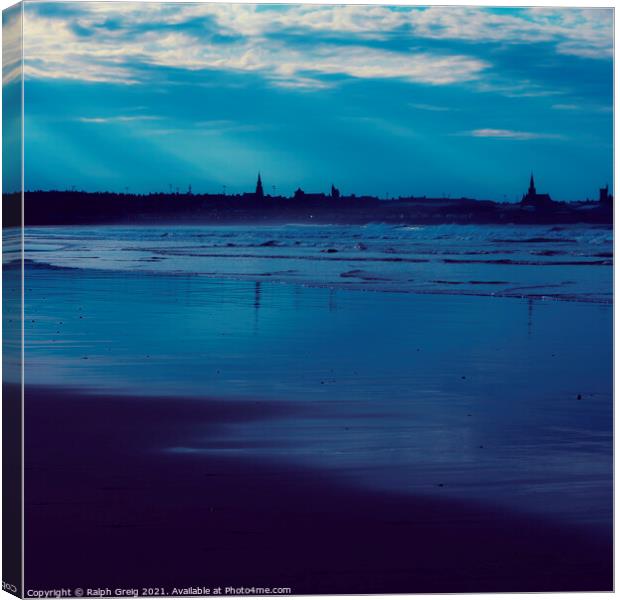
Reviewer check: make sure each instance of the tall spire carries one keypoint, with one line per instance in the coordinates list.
(259, 188)
(532, 189)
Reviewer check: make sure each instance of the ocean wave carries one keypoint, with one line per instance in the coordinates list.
(429, 259)
(535, 240)
(553, 263)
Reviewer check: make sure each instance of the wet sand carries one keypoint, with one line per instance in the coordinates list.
(107, 507)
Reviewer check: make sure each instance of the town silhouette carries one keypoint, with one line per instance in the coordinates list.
(55, 207)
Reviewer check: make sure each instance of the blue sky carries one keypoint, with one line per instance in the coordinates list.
(376, 99)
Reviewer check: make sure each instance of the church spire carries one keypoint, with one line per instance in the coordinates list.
(259, 188)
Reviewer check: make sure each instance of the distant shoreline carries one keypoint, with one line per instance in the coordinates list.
(95, 208)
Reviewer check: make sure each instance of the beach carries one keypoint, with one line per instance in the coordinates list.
(106, 509)
(344, 410)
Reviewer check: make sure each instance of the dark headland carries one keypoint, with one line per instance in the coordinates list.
(80, 208)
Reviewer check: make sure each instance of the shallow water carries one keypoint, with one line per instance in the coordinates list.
(569, 262)
(470, 393)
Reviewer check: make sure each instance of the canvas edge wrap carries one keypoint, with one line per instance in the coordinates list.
(12, 297)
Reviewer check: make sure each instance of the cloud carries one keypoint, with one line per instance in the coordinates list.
(579, 31)
(301, 83)
(582, 32)
(223, 126)
(118, 119)
(510, 134)
(58, 52)
(11, 45)
(370, 22)
(518, 89)
(565, 107)
(431, 107)
(369, 63)
(596, 108)
(297, 46)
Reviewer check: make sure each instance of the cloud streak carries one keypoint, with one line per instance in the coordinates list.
(432, 107)
(118, 119)
(510, 134)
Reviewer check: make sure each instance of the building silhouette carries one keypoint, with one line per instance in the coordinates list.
(301, 195)
(533, 198)
(604, 196)
(260, 194)
(335, 192)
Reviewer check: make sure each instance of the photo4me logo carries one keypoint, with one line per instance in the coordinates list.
(232, 591)
(256, 591)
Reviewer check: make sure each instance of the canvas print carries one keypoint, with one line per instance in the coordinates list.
(306, 299)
